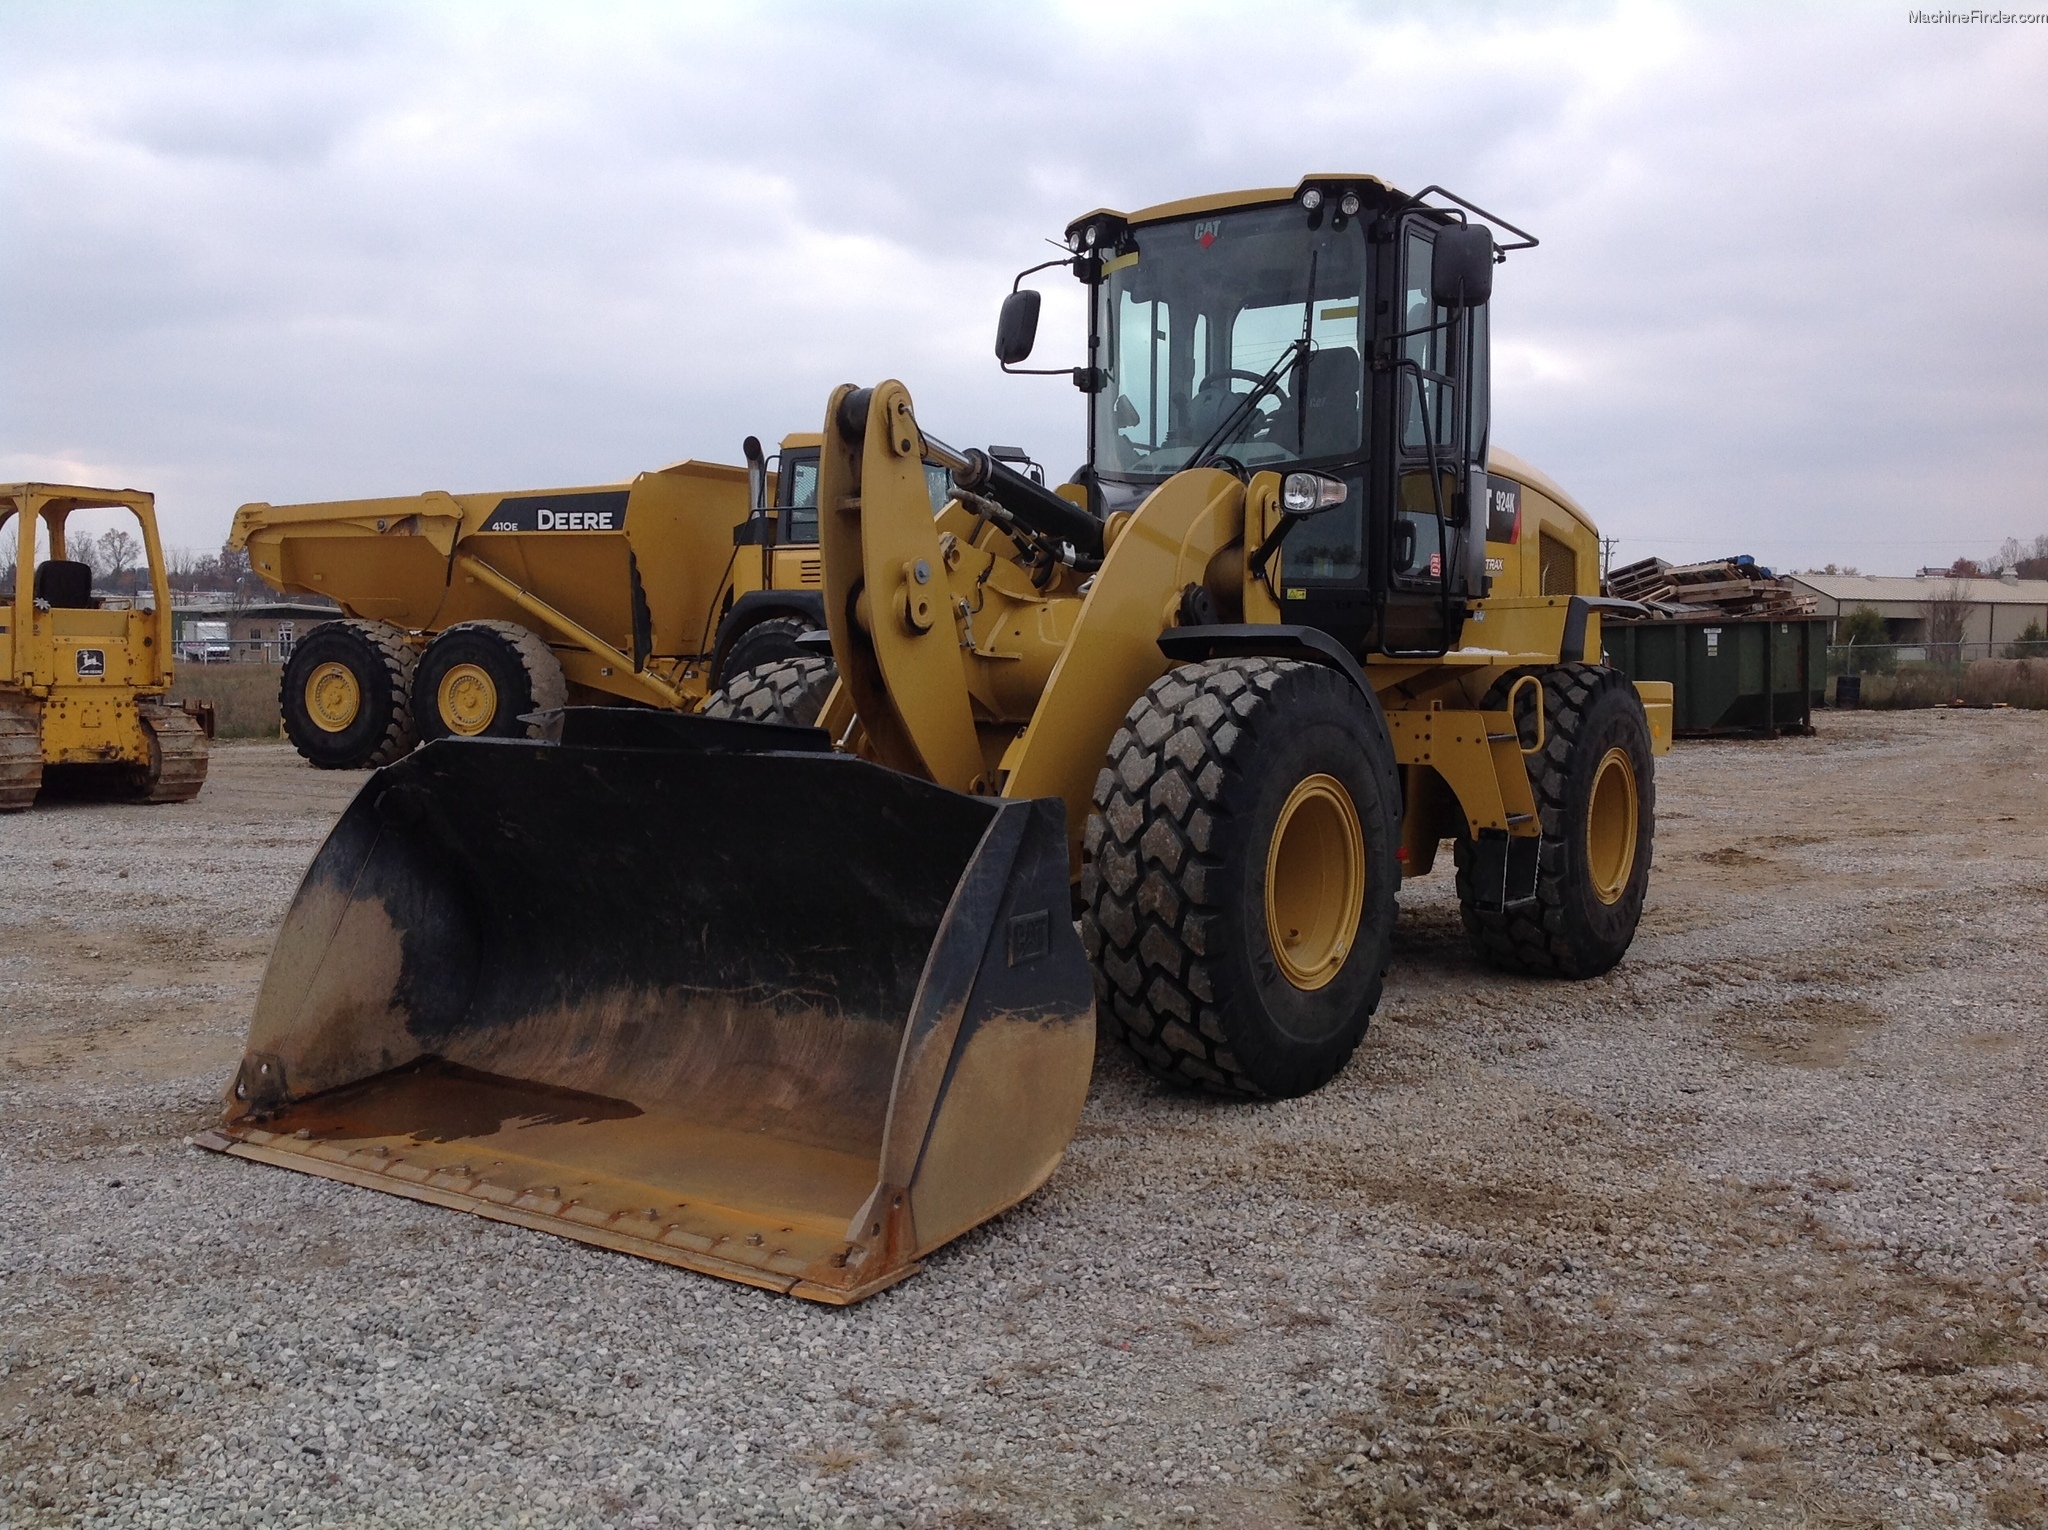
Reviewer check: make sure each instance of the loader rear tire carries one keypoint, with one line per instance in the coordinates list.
(790, 691)
(480, 679)
(1238, 883)
(346, 695)
(1596, 799)
(772, 641)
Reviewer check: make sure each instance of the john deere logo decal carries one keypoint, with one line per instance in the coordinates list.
(600, 510)
(92, 662)
(1205, 233)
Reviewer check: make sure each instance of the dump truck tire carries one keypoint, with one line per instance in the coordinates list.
(772, 641)
(479, 679)
(346, 695)
(791, 691)
(21, 755)
(1596, 800)
(1245, 800)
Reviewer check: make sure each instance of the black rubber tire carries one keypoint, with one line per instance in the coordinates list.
(772, 641)
(789, 691)
(382, 662)
(523, 669)
(1173, 877)
(1567, 931)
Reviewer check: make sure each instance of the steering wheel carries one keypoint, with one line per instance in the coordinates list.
(1214, 400)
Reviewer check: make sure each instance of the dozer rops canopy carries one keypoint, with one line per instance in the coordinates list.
(687, 988)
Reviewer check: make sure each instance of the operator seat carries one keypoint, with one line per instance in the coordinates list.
(65, 585)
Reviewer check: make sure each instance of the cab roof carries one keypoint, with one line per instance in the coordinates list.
(1230, 201)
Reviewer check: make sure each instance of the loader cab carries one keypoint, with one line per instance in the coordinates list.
(1303, 329)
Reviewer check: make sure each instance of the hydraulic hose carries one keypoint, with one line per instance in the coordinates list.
(1036, 508)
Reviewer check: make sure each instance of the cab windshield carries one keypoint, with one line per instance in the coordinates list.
(1200, 312)
(798, 492)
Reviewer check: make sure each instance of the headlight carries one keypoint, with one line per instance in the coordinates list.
(1074, 240)
(1349, 205)
(1090, 234)
(1306, 493)
(1312, 199)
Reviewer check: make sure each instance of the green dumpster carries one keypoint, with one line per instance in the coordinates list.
(1729, 677)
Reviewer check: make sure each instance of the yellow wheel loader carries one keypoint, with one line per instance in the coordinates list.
(84, 678)
(1154, 750)
(466, 614)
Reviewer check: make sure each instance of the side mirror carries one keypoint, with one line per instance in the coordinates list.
(1462, 271)
(1017, 328)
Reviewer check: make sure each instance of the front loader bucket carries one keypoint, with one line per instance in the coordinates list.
(683, 987)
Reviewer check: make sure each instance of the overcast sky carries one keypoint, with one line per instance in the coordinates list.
(1790, 297)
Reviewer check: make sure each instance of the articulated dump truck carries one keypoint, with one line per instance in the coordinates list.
(467, 613)
(1142, 758)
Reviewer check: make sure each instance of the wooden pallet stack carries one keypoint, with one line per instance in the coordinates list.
(1715, 591)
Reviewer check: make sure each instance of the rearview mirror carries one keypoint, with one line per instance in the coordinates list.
(1017, 328)
(1462, 271)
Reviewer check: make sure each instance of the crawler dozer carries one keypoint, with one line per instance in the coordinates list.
(1151, 751)
(464, 614)
(85, 679)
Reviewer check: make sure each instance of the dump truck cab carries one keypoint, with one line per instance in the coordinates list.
(83, 677)
(774, 592)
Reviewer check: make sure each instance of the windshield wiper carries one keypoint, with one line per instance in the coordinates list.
(1294, 355)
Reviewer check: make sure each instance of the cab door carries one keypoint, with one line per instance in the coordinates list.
(1435, 546)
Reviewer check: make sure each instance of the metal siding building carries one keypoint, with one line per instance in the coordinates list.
(1996, 610)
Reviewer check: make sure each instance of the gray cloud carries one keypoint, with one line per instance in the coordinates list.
(1786, 299)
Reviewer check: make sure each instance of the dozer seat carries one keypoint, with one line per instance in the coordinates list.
(65, 585)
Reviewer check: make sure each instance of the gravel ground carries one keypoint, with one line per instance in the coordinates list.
(1749, 1232)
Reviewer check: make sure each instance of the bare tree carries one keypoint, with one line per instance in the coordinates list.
(1946, 612)
(85, 548)
(120, 551)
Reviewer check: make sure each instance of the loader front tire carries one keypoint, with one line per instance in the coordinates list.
(481, 679)
(791, 691)
(1596, 800)
(1238, 883)
(346, 695)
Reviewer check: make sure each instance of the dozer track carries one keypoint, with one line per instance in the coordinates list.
(21, 755)
(178, 752)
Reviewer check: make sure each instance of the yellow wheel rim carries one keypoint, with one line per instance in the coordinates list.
(1611, 826)
(468, 699)
(334, 699)
(1315, 881)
